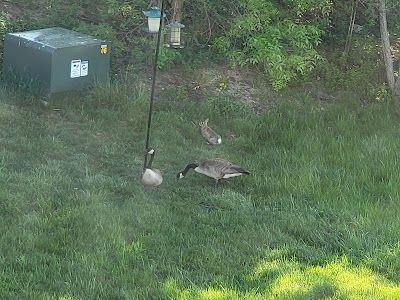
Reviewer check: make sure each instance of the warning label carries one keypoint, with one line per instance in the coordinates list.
(84, 68)
(79, 68)
(75, 68)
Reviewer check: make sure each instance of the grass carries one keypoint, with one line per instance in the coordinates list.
(318, 219)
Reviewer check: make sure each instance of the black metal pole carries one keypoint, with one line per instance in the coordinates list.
(153, 84)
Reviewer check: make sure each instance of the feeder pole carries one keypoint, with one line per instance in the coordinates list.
(153, 84)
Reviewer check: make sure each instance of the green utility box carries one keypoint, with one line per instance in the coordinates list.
(56, 59)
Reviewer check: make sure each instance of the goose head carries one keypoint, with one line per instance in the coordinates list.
(182, 174)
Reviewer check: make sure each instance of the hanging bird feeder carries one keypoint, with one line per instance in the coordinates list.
(153, 19)
(175, 34)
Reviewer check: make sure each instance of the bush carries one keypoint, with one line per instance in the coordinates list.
(362, 70)
(280, 41)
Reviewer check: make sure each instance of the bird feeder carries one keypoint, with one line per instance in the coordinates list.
(175, 34)
(153, 18)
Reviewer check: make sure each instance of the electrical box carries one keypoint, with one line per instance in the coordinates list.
(56, 59)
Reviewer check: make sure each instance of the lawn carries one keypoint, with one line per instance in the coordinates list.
(317, 219)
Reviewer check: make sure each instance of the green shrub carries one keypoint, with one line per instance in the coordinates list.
(361, 70)
(280, 40)
(168, 57)
(124, 16)
(106, 32)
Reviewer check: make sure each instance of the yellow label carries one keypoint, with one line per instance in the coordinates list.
(103, 49)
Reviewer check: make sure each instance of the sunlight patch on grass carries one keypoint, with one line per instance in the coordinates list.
(336, 278)
(173, 290)
(224, 294)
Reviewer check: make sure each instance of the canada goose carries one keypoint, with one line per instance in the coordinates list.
(215, 168)
(210, 135)
(151, 177)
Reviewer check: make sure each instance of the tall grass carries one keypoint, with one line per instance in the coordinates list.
(317, 219)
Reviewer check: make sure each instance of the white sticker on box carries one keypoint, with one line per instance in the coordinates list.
(75, 68)
(84, 68)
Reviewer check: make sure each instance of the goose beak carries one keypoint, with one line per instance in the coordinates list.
(179, 176)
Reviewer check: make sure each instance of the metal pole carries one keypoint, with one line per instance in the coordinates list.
(153, 84)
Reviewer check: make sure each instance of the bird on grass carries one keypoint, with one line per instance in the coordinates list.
(209, 135)
(215, 168)
(150, 176)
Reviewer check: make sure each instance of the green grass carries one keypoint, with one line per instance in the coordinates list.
(318, 219)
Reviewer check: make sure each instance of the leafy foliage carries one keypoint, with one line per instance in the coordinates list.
(280, 39)
(168, 57)
(367, 16)
(362, 65)
(116, 20)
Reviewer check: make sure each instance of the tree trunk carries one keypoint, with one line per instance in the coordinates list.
(351, 28)
(177, 10)
(387, 55)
